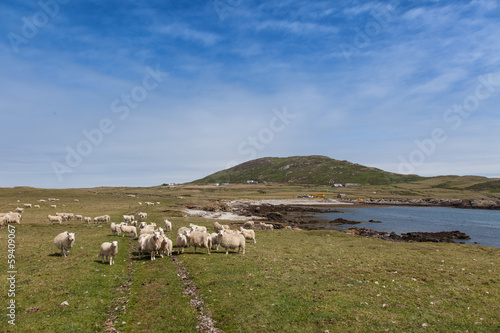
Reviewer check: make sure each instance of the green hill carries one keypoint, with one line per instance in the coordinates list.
(314, 170)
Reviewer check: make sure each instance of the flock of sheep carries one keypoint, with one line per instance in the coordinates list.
(150, 239)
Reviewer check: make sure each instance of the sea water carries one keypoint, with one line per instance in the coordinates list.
(483, 226)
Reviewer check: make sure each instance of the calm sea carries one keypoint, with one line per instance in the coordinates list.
(483, 226)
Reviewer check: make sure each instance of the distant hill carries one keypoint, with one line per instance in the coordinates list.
(314, 170)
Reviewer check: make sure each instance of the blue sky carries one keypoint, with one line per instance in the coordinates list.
(138, 93)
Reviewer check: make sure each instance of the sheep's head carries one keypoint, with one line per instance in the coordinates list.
(71, 236)
(156, 235)
(161, 231)
(114, 244)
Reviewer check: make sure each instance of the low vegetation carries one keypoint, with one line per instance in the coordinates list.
(289, 281)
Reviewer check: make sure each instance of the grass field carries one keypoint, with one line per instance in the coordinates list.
(290, 281)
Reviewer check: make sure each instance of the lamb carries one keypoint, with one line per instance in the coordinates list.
(115, 228)
(149, 203)
(27, 205)
(249, 225)
(79, 217)
(199, 239)
(108, 250)
(36, 206)
(128, 218)
(195, 227)
(181, 242)
(215, 241)
(102, 218)
(64, 241)
(248, 233)
(55, 219)
(142, 216)
(231, 241)
(149, 243)
(19, 209)
(130, 230)
(87, 219)
(168, 225)
(166, 246)
(53, 206)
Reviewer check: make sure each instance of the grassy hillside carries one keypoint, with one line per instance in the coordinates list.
(314, 170)
(290, 281)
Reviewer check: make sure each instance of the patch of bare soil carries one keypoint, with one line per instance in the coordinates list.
(205, 322)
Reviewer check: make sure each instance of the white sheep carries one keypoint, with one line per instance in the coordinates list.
(108, 250)
(12, 217)
(3, 220)
(115, 228)
(134, 223)
(64, 241)
(142, 216)
(87, 219)
(199, 239)
(249, 225)
(19, 209)
(149, 203)
(130, 230)
(182, 230)
(168, 225)
(149, 243)
(181, 242)
(53, 206)
(27, 205)
(248, 234)
(231, 241)
(166, 246)
(198, 228)
(36, 206)
(215, 241)
(128, 218)
(266, 226)
(79, 217)
(217, 226)
(55, 219)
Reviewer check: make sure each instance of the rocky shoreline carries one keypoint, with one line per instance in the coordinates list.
(455, 203)
(436, 237)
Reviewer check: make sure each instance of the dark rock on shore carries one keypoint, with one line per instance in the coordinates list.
(436, 237)
(456, 203)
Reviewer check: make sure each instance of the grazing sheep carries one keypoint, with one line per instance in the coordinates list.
(181, 242)
(12, 217)
(102, 218)
(64, 241)
(130, 230)
(215, 241)
(87, 219)
(36, 206)
(53, 206)
(147, 230)
(199, 239)
(168, 225)
(142, 216)
(19, 209)
(55, 219)
(249, 225)
(115, 228)
(166, 246)
(140, 203)
(231, 241)
(149, 243)
(248, 234)
(149, 203)
(108, 250)
(266, 226)
(27, 205)
(128, 218)
(198, 228)
(79, 217)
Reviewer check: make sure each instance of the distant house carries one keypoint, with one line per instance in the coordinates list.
(252, 182)
(352, 184)
(342, 196)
